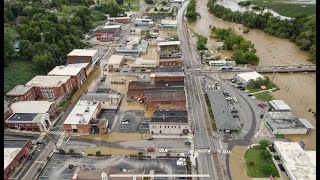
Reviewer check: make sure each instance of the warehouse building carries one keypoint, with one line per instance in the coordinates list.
(115, 62)
(298, 163)
(83, 119)
(14, 153)
(143, 22)
(223, 117)
(51, 87)
(286, 123)
(78, 74)
(169, 123)
(246, 77)
(22, 93)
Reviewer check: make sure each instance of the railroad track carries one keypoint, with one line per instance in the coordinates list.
(218, 167)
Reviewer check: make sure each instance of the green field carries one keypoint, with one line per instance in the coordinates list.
(285, 8)
(256, 170)
(17, 72)
(265, 96)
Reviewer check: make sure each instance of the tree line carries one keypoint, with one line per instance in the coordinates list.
(301, 30)
(191, 14)
(243, 50)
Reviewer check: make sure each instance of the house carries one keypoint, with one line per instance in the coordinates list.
(41, 107)
(83, 119)
(298, 163)
(169, 123)
(108, 100)
(14, 153)
(286, 123)
(90, 56)
(168, 24)
(51, 87)
(78, 74)
(246, 77)
(115, 62)
(120, 19)
(29, 121)
(223, 117)
(22, 93)
(167, 76)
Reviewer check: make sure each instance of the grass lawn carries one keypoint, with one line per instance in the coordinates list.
(64, 103)
(18, 72)
(284, 8)
(265, 96)
(279, 136)
(256, 170)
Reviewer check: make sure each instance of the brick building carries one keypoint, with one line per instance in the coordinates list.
(29, 121)
(23, 93)
(108, 32)
(7, 111)
(167, 77)
(166, 100)
(14, 153)
(51, 87)
(78, 74)
(90, 56)
(120, 19)
(83, 119)
(170, 62)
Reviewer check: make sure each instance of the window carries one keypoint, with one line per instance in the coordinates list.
(160, 126)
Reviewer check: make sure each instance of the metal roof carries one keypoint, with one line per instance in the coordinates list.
(306, 124)
(279, 105)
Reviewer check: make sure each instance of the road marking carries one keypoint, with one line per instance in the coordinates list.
(68, 139)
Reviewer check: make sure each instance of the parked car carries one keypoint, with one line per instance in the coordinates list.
(235, 99)
(253, 97)
(187, 143)
(150, 138)
(30, 156)
(163, 150)
(151, 149)
(249, 95)
(261, 105)
(245, 90)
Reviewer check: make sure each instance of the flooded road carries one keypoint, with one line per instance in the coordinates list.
(270, 49)
(300, 94)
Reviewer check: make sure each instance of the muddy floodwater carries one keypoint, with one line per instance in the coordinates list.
(270, 49)
(299, 92)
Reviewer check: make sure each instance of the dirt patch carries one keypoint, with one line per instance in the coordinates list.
(237, 163)
(107, 151)
(270, 49)
(299, 92)
(114, 136)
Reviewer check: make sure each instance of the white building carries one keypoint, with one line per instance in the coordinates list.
(144, 22)
(108, 100)
(115, 62)
(168, 24)
(279, 105)
(286, 123)
(298, 163)
(169, 123)
(33, 107)
(246, 77)
(142, 63)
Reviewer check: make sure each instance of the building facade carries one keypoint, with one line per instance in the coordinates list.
(78, 74)
(170, 62)
(29, 122)
(22, 93)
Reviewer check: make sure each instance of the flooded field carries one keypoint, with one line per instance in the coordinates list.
(270, 49)
(300, 94)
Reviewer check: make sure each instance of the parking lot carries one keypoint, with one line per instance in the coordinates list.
(133, 121)
(109, 115)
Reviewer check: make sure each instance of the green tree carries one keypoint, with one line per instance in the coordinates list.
(119, 2)
(8, 46)
(164, 2)
(266, 154)
(268, 170)
(312, 53)
(98, 153)
(140, 154)
(44, 62)
(263, 144)
(202, 42)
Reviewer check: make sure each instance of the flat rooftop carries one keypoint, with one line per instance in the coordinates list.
(170, 116)
(167, 74)
(156, 84)
(284, 120)
(83, 52)
(99, 96)
(48, 81)
(111, 27)
(166, 69)
(169, 43)
(250, 75)
(31, 106)
(115, 59)
(82, 113)
(11, 149)
(222, 115)
(279, 105)
(65, 70)
(26, 117)
(80, 65)
(169, 22)
(19, 90)
(296, 161)
(166, 95)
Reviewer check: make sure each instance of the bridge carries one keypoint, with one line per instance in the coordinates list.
(286, 69)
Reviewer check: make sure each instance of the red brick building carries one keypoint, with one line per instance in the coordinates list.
(83, 119)
(167, 77)
(22, 93)
(78, 74)
(7, 110)
(14, 153)
(120, 19)
(113, 30)
(29, 121)
(51, 87)
(90, 56)
(170, 62)
(105, 38)
(166, 100)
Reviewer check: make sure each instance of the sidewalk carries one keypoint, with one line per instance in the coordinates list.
(189, 136)
(267, 90)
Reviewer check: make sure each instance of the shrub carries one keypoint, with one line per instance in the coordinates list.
(264, 144)
(251, 163)
(98, 153)
(265, 154)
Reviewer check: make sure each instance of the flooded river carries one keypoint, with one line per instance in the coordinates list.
(296, 89)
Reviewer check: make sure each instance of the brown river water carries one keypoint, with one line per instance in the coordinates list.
(298, 90)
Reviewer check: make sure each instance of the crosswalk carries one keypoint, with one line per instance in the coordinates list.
(57, 132)
(201, 150)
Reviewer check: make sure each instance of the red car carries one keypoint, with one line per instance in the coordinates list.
(261, 105)
(150, 149)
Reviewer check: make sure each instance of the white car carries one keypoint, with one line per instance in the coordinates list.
(235, 99)
(245, 91)
(163, 150)
(253, 97)
(197, 69)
